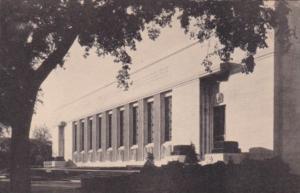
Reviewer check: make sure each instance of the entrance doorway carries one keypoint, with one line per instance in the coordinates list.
(219, 124)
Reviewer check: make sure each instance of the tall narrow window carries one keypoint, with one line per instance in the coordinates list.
(109, 130)
(121, 142)
(150, 123)
(168, 118)
(99, 137)
(135, 125)
(75, 137)
(82, 136)
(90, 133)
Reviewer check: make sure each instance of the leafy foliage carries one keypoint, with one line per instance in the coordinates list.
(36, 35)
(268, 176)
(191, 156)
(40, 151)
(41, 134)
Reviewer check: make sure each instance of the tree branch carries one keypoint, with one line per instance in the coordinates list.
(55, 57)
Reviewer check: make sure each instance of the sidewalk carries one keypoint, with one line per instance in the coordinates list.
(46, 186)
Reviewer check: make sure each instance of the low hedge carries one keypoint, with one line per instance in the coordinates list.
(269, 176)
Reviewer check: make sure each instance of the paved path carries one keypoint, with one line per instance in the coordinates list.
(68, 184)
(47, 186)
(89, 170)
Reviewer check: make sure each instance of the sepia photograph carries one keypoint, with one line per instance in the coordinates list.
(149, 96)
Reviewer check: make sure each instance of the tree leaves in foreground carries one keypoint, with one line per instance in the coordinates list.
(36, 35)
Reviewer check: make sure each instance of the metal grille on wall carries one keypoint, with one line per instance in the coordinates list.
(75, 137)
(135, 128)
(90, 133)
(82, 136)
(109, 130)
(121, 139)
(150, 123)
(99, 137)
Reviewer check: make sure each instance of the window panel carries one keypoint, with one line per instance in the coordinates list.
(90, 133)
(168, 118)
(150, 124)
(109, 130)
(99, 137)
(75, 137)
(82, 136)
(121, 142)
(135, 125)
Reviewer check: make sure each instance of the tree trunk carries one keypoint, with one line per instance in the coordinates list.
(20, 167)
(20, 179)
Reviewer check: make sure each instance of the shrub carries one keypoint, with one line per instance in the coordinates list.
(268, 176)
(70, 164)
(59, 158)
(191, 156)
(40, 151)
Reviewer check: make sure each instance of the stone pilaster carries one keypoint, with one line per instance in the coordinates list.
(86, 139)
(95, 136)
(103, 136)
(141, 129)
(127, 133)
(157, 125)
(78, 154)
(61, 140)
(114, 132)
(78, 136)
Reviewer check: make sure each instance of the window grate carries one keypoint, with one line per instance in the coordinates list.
(168, 118)
(135, 125)
(150, 123)
(121, 142)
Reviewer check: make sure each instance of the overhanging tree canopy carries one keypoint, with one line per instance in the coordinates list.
(35, 35)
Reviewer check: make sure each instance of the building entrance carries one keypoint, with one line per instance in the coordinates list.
(219, 124)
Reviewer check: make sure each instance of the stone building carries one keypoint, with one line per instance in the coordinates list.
(176, 101)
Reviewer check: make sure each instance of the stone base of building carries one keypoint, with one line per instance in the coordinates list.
(131, 163)
(212, 158)
(54, 164)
